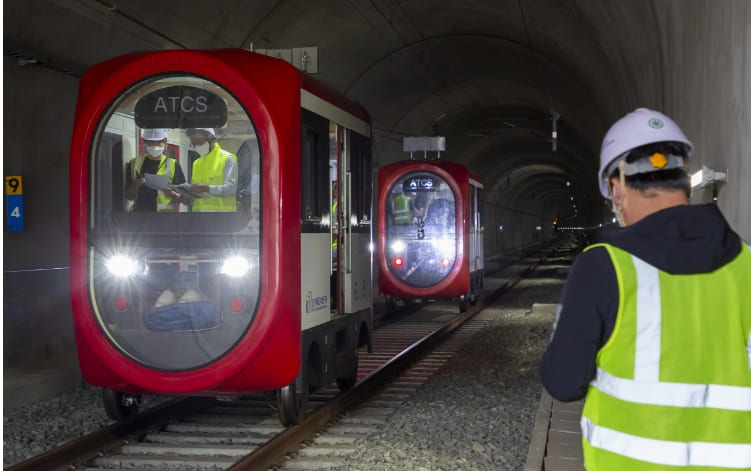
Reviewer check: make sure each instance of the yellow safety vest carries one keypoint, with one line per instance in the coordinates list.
(163, 203)
(400, 210)
(209, 170)
(673, 382)
(335, 241)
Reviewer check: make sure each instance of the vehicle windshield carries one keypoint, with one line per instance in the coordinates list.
(421, 229)
(160, 161)
(175, 222)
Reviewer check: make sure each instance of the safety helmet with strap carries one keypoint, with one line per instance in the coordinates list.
(638, 128)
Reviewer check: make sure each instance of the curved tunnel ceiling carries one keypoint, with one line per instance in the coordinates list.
(493, 77)
(496, 102)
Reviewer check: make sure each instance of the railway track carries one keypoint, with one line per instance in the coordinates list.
(204, 433)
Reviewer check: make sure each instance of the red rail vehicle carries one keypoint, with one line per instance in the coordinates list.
(430, 238)
(254, 274)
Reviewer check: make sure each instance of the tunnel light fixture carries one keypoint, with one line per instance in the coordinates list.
(554, 133)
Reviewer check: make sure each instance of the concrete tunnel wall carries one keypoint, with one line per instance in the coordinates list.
(706, 68)
(39, 104)
(708, 90)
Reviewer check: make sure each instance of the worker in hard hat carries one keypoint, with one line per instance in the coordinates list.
(214, 174)
(653, 327)
(153, 162)
(401, 206)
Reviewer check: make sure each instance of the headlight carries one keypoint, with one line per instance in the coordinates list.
(445, 247)
(397, 246)
(235, 266)
(121, 265)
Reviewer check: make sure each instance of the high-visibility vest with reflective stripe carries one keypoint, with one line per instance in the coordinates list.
(673, 383)
(163, 203)
(401, 213)
(209, 170)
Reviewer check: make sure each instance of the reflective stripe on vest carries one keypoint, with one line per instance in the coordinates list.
(689, 405)
(718, 455)
(400, 210)
(163, 203)
(209, 170)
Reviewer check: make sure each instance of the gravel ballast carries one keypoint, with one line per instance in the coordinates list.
(478, 412)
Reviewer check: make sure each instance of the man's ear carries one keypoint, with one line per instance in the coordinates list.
(616, 192)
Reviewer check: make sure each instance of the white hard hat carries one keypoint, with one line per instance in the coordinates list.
(206, 130)
(640, 127)
(158, 134)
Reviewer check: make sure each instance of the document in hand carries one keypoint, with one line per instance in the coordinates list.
(184, 189)
(156, 182)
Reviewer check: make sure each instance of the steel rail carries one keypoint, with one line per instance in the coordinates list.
(87, 447)
(275, 450)
(82, 449)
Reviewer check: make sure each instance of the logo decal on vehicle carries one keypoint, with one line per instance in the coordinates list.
(315, 304)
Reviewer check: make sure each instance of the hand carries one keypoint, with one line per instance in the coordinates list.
(199, 188)
(138, 182)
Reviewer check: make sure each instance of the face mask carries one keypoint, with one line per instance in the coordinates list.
(202, 149)
(155, 151)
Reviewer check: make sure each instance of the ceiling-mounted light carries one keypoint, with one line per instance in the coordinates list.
(554, 134)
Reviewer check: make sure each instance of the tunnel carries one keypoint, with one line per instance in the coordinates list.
(522, 90)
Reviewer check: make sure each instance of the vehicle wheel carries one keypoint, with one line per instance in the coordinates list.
(472, 297)
(292, 400)
(119, 405)
(464, 303)
(348, 382)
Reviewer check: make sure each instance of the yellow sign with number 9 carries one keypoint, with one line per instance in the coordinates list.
(13, 185)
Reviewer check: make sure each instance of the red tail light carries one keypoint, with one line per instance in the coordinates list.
(121, 303)
(398, 261)
(236, 305)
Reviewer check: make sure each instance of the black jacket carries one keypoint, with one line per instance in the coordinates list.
(679, 240)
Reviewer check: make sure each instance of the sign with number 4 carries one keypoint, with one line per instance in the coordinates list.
(14, 199)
